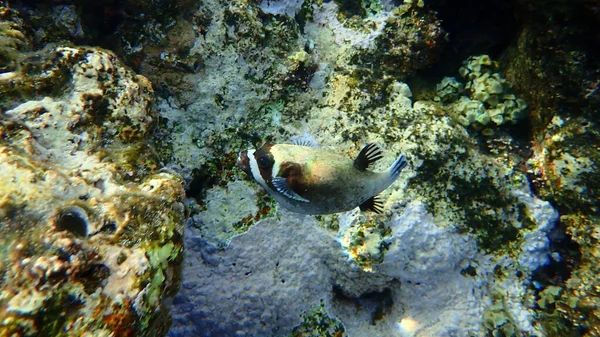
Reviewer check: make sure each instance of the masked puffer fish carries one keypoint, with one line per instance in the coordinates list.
(309, 180)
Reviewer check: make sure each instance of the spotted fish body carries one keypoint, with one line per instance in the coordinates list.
(313, 181)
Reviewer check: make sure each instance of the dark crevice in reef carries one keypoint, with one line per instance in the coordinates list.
(557, 272)
(201, 181)
(100, 20)
(215, 172)
(517, 139)
(110, 24)
(377, 303)
(473, 27)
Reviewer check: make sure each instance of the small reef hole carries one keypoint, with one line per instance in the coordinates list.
(72, 219)
(109, 227)
(93, 277)
(377, 303)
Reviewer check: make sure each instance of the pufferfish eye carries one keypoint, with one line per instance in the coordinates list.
(264, 162)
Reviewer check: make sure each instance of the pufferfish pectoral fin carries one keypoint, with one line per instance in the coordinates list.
(282, 187)
(373, 204)
(367, 156)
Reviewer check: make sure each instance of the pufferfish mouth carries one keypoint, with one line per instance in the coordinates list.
(243, 162)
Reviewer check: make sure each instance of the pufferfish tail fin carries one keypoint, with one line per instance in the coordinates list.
(397, 167)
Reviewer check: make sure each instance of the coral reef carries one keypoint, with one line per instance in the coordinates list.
(460, 198)
(563, 169)
(91, 231)
(489, 101)
(557, 72)
(12, 39)
(411, 39)
(294, 260)
(452, 195)
(92, 238)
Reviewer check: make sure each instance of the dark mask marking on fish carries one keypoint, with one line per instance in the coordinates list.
(265, 161)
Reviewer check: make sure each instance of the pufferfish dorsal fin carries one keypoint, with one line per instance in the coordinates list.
(281, 185)
(367, 156)
(373, 204)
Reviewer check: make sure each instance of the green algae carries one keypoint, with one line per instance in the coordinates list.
(317, 323)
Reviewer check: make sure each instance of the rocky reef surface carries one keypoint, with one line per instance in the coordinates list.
(490, 230)
(91, 231)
